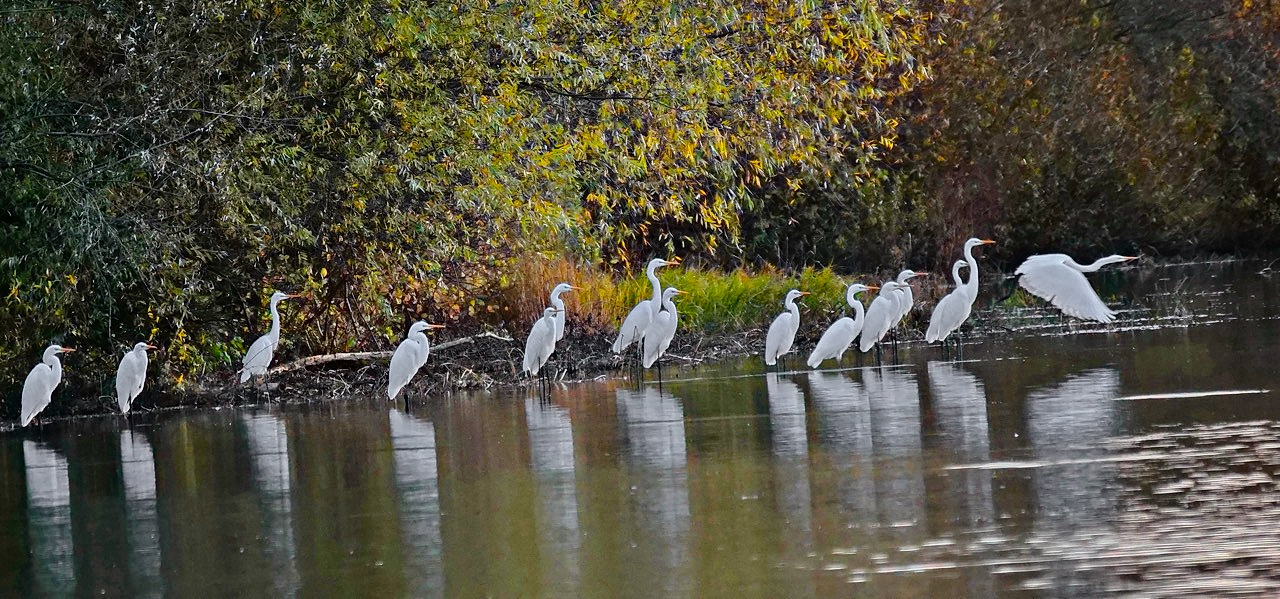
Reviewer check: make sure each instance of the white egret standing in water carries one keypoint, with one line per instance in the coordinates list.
(131, 374)
(953, 309)
(662, 330)
(782, 331)
(837, 338)
(904, 295)
(1059, 280)
(541, 342)
(409, 357)
(37, 391)
(880, 315)
(637, 321)
(260, 353)
(559, 306)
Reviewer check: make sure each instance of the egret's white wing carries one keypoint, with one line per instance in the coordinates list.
(257, 358)
(634, 326)
(779, 338)
(878, 319)
(834, 341)
(948, 315)
(404, 364)
(1066, 288)
(658, 338)
(540, 344)
(36, 391)
(142, 362)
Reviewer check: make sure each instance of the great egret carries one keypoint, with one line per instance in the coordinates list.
(559, 306)
(880, 315)
(131, 375)
(1060, 280)
(782, 331)
(409, 357)
(37, 391)
(259, 355)
(662, 330)
(837, 338)
(637, 321)
(541, 342)
(904, 296)
(954, 309)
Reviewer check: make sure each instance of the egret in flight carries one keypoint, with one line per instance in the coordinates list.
(953, 309)
(37, 391)
(663, 328)
(541, 342)
(837, 338)
(409, 357)
(1059, 280)
(559, 306)
(880, 315)
(131, 374)
(782, 331)
(637, 321)
(259, 355)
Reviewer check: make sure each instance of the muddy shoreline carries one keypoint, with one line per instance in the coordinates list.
(1148, 297)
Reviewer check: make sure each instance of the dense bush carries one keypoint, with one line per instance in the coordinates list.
(164, 164)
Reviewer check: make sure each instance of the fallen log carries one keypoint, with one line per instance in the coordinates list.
(369, 356)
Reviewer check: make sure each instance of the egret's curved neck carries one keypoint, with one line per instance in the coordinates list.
(556, 301)
(54, 364)
(657, 287)
(955, 273)
(275, 321)
(970, 286)
(858, 310)
(790, 305)
(669, 305)
(1095, 265)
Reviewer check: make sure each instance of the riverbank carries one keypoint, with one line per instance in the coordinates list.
(1147, 296)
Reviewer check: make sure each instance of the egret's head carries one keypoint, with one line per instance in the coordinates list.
(907, 275)
(857, 288)
(280, 296)
(974, 242)
(549, 312)
(54, 350)
(657, 262)
(794, 295)
(671, 292)
(563, 288)
(142, 346)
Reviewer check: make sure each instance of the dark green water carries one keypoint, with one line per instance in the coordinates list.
(1039, 464)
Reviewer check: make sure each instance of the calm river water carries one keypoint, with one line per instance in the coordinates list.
(1136, 458)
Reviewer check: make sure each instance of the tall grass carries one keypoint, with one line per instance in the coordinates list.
(718, 301)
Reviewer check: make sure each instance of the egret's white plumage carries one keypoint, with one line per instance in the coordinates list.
(953, 309)
(904, 297)
(37, 390)
(880, 315)
(1059, 280)
(662, 330)
(782, 331)
(637, 321)
(131, 374)
(541, 342)
(837, 338)
(409, 357)
(260, 353)
(558, 304)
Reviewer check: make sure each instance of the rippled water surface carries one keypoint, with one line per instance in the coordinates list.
(1139, 458)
